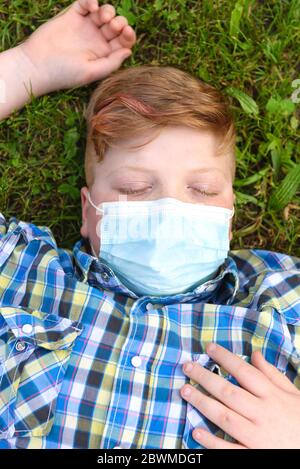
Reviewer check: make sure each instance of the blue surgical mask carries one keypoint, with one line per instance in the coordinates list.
(163, 247)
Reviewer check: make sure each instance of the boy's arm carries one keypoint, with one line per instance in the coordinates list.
(16, 74)
(81, 44)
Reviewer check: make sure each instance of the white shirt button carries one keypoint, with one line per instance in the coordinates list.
(149, 306)
(20, 346)
(105, 276)
(27, 328)
(136, 361)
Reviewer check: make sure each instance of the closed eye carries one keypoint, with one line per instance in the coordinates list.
(205, 192)
(132, 191)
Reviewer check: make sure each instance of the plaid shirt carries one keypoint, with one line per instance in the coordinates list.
(85, 363)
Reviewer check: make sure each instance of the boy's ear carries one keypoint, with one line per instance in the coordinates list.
(84, 208)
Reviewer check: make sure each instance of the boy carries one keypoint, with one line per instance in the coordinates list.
(100, 346)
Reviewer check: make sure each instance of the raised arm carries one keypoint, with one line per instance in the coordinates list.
(81, 44)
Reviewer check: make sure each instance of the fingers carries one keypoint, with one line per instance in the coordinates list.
(104, 15)
(249, 377)
(210, 441)
(118, 33)
(229, 394)
(235, 425)
(83, 7)
(101, 68)
(100, 15)
(271, 372)
(114, 27)
(126, 39)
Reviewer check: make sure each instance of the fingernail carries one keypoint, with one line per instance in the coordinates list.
(95, 6)
(186, 392)
(188, 367)
(197, 434)
(211, 348)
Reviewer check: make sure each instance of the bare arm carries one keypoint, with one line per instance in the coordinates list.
(17, 75)
(82, 44)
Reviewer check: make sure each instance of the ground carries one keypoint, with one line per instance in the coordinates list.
(249, 49)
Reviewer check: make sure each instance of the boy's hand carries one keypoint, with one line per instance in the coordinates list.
(81, 44)
(263, 413)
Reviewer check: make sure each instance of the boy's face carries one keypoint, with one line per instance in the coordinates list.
(180, 162)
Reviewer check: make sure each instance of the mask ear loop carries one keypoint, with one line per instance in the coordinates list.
(90, 201)
(93, 251)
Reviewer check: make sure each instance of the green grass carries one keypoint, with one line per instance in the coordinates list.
(244, 48)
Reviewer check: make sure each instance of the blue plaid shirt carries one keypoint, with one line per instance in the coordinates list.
(86, 363)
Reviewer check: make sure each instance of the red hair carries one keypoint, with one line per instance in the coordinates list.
(143, 99)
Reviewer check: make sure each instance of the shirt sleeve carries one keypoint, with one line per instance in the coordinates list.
(294, 359)
(13, 231)
(35, 351)
(10, 232)
(287, 302)
(2, 226)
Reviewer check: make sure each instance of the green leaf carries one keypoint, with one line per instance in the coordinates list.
(173, 15)
(66, 188)
(126, 4)
(294, 122)
(272, 105)
(158, 5)
(128, 14)
(235, 18)
(276, 160)
(71, 138)
(287, 189)
(203, 73)
(283, 107)
(125, 9)
(273, 142)
(247, 103)
(251, 179)
(245, 198)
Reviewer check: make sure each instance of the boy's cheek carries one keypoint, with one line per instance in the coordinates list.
(91, 230)
(94, 233)
(95, 237)
(84, 231)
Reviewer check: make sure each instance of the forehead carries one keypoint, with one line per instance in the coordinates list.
(172, 149)
(171, 138)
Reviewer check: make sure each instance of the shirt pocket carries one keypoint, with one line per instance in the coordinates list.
(35, 348)
(194, 419)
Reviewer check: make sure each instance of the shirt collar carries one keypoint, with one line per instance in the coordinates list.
(220, 289)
